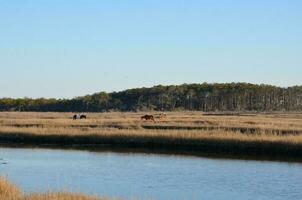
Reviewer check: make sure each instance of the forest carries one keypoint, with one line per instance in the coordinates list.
(194, 97)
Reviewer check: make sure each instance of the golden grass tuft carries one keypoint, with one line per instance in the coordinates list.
(11, 192)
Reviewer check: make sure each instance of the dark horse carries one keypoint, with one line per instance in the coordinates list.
(77, 116)
(148, 117)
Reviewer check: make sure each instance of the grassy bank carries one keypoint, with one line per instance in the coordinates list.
(275, 136)
(11, 192)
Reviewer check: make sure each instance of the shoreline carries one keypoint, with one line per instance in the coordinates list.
(210, 148)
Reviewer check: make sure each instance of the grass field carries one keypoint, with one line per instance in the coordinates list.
(11, 192)
(271, 135)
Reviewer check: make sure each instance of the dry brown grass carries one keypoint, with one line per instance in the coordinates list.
(11, 192)
(275, 131)
(8, 191)
(177, 124)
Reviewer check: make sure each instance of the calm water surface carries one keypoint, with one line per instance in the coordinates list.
(150, 176)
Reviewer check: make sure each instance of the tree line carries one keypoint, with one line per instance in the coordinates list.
(197, 97)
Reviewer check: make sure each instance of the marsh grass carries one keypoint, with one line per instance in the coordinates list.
(271, 134)
(11, 192)
(8, 191)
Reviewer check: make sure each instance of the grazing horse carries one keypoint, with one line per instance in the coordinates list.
(162, 116)
(79, 116)
(148, 118)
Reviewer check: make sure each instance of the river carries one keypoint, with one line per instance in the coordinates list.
(149, 176)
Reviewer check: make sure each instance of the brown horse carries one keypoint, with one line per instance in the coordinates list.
(148, 118)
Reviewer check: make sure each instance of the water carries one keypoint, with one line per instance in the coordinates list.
(150, 176)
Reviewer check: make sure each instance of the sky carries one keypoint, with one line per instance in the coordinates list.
(64, 49)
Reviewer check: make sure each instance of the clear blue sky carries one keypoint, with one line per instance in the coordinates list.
(62, 49)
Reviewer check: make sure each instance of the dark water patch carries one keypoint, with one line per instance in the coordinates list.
(244, 130)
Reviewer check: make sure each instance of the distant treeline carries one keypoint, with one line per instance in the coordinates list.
(199, 97)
